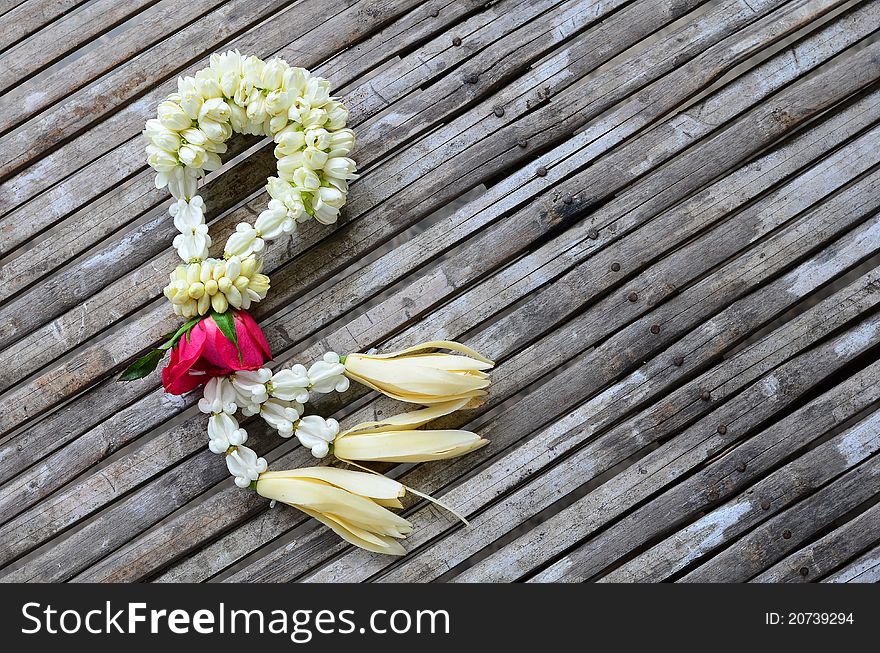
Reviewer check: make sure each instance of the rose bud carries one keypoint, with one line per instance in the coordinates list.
(205, 352)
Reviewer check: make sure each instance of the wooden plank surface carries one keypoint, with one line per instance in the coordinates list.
(864, 570)
(640, 191)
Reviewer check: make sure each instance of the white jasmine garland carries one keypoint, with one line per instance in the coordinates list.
(328, 374)
(252, 385)
(291, 384)
(281, 415)
(238, 94)
(219, 396)
(198, 287)
(247, 95)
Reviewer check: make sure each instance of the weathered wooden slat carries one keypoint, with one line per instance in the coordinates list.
(29, 96)
(866, 569)
(7, 5)
(784, 532)
(422, 23)
(65, 35)
(28, 17)
(760, 454)
(679, 410)
(567, 434)
(828, 552)
(130, 423)
(487, 54)
(570, 105)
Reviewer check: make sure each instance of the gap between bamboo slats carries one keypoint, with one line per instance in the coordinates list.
(866, 569)
(19, 22)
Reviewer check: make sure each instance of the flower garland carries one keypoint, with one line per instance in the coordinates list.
(220, 346)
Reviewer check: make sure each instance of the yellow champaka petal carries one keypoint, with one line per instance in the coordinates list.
(436, 344)
(408, 377)
(387, 545)
(362, 483)
(425, 400)
(328, 499)
(389, 503)
(410, 420)
(450, 362)
(408, 446)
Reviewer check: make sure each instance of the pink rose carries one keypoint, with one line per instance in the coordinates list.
(205, 352)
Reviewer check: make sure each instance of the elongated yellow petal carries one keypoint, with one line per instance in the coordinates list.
(422, 376)
(407, 446)
(389, 503)
(436, 344)
(450, 362)
(407, 378)
(362, 483)
(425, 400)
(410, 420)
(387, 545)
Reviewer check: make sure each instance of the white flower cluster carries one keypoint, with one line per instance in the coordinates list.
(249, 96)
(197, 287)
(193, 241)
(278, 398)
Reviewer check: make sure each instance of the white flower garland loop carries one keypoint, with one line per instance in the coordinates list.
(246, 95)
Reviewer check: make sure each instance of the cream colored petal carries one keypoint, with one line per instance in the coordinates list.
(327, 499)
(408, 446)
(420, 399)
(388, 545)
(365, 484)
(451, 362)
(408, 420)
(360, 533)
(435, 344)
(408, 378)
(389, 503)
